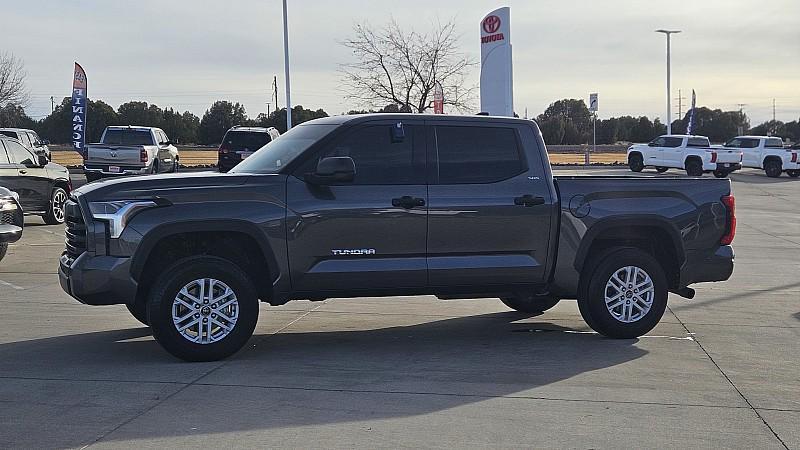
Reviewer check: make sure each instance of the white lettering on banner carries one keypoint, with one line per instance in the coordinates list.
(77, 92)
(76, 136)
(77, 127)
(77, 109)
(77, 119)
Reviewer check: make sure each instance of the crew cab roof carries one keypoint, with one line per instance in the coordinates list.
(130, 127)
(353, 119)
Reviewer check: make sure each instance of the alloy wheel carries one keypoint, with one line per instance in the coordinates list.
(629, 294)
(205, 311)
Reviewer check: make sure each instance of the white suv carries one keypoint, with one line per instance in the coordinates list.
(768, 153)
(691, 153)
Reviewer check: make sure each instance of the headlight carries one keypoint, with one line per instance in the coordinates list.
(118, 213)
(8, 204)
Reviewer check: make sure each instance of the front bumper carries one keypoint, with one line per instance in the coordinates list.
(97, 280)
(717, 266)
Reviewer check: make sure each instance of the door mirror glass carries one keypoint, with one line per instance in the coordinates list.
(332, 170)
(42, 159)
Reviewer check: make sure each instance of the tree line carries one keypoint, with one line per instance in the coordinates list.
(566, 121)
(181, 127)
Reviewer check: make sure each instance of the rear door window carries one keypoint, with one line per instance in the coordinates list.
(774, 143)
(698, 142)
(477, 154)
(673, 142)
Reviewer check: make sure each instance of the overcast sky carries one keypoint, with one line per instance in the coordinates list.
(188, 53)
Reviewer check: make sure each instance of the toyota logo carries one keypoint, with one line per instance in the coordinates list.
(491, 24)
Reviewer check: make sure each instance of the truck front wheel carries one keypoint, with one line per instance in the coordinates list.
(623, 293)
(636, 162)
(530, 303)
(203, 308)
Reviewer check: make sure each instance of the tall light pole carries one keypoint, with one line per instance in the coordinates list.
(669, 108)
(286, 68)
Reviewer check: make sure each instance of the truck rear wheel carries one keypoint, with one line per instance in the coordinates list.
(793, 173)
(530, 303)
(636, 162)
(773, 168)
(694, 168)
(203, 308)
(720, 173)
(3, 250)
(623, 293)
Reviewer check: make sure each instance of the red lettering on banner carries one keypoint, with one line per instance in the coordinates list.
(492, 38)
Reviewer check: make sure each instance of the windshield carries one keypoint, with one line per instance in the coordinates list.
(274, 156)
(116, 136)
(241, 140)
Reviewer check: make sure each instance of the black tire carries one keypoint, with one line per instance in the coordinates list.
(773, 168)
(793, 173)
(175, 166)
(55, 209)
(3, 250)
(593, 291)
(139, 312)
(720, 173)
(530, 303)
(636, 162)
(662, 169)
(154, 168)
(182, 273)
(694, 167)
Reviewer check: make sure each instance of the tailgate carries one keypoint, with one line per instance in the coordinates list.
(728, 156)
(114, 154)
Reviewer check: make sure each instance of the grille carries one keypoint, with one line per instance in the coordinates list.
(7, 217)
(75, 229)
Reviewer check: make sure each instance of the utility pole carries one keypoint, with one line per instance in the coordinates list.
(680, 100)
(268, 103)
(52, 105)
(668, 33)
(741, 117)
(773, 110)
(286, 68)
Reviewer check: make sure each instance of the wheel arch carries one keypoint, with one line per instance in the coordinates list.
(237, 240)
(653, 235)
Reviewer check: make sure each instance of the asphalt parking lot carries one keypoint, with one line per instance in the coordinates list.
(722, 370)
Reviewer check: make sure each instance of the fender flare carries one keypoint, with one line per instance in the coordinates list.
(155, 235)
(634, 221)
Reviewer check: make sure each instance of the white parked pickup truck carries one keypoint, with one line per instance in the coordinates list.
(129, 150)
(691, 153)
(768, 153)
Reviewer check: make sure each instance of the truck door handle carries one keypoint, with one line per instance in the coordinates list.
(23, 172)
(408, 202)
(528, 200)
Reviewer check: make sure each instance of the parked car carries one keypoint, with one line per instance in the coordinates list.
(768, 153)
(43, 186)
(241, 142)
(29, 139)
(130, 150)
(385, 205)
(693, 154)
(11, 220)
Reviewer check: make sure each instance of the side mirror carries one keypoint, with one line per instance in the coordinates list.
(335, 169)
(41, 159)
(651, 144)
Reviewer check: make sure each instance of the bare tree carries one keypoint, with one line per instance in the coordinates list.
(12, 81)
(401, 67)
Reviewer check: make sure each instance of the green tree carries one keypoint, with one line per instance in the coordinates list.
(140, 113)
(576, 118)
(278, 118)
(12, 115)
(57, 127)
(552, 130)
(221, 116)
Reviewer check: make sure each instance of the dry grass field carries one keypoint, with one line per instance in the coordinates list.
(194, 158)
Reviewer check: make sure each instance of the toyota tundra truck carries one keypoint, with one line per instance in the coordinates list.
(768, 153)
(391, 205)
(693, 154)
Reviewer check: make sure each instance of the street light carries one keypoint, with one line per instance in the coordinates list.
(669, 110)
(286, 68)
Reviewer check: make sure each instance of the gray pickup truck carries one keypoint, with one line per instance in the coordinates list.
(391, 205)
(129, 150)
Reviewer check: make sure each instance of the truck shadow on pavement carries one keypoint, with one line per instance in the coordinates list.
(299, 378)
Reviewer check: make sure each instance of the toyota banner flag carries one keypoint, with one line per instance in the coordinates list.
(79, 110)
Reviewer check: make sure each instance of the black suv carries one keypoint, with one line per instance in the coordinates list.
(241, 142)
(43, 186)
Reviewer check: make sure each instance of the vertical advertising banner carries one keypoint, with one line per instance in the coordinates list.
(79, 110)
(691, 114)
(497, 84)
(438, 99)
